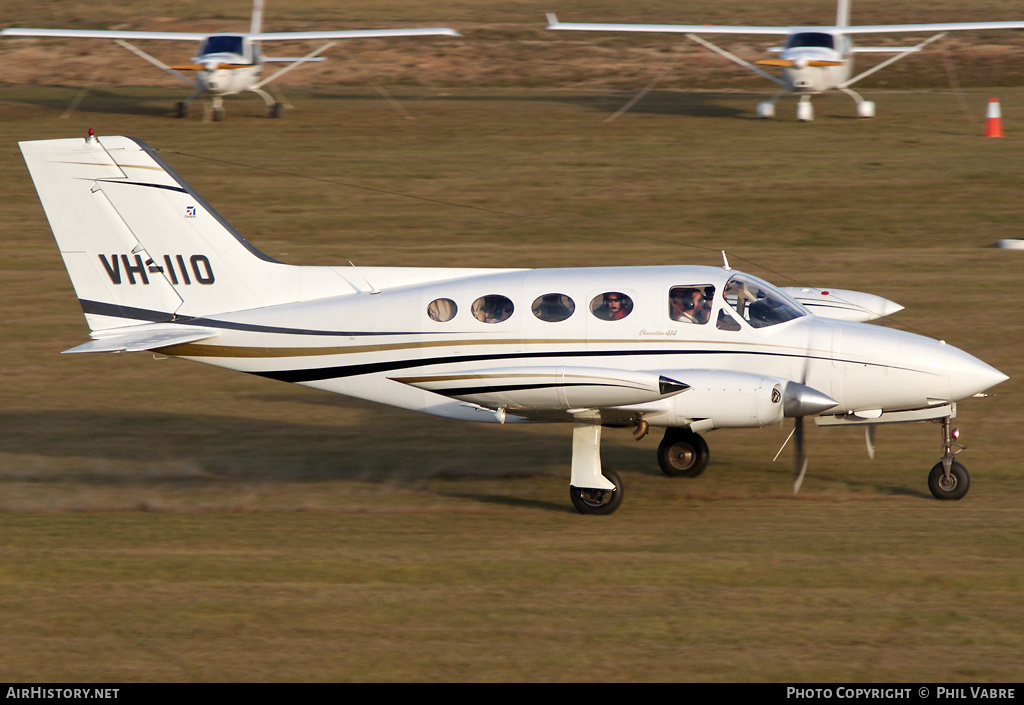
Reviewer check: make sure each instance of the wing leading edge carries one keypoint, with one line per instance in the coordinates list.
(554, 24)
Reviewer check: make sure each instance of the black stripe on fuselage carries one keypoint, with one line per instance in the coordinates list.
(492, 389)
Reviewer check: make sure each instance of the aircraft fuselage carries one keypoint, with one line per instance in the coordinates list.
(389, 346)
(821, 61)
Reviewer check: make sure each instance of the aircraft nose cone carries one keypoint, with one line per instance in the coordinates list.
(969, 376)
(801, 400)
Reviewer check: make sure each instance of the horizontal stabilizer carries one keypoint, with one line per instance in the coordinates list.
(886, 50)
(790, 63)
(549, 387)
(292, 59)
(213, 67)
(141, 338)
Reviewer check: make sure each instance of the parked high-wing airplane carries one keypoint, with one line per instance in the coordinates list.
(685, 348)
(229, 63)
(812, 59)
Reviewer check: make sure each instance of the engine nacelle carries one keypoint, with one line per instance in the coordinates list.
(725, 399)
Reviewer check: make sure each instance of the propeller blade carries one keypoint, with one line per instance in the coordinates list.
(799, 457)
(869, 437)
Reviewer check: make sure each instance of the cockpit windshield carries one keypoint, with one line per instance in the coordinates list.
(222, 44)
(759, 304)
(811, 39)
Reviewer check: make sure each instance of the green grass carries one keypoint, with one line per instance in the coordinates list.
(164, 521)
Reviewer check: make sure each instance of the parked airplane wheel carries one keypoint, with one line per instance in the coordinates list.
(182, 109)
(218, 114)
(683, 453)
(955, 487)
(591, 501)
(274, 111)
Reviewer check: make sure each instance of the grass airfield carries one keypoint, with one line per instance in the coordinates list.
(164, 521)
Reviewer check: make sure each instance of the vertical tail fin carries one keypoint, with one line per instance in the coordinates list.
(139, 244)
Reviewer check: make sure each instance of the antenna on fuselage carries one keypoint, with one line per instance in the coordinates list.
(725, 261)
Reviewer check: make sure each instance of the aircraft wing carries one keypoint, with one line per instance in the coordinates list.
(102, 34)
(196, 36)
(937, 27)
(843, 304)
(145, 337)
(355, 34)
(553, 23)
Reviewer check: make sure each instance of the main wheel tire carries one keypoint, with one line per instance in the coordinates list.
(683, 453)
(591, 501)
(953, 487)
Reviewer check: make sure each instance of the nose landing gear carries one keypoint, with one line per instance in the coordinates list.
(948, 478)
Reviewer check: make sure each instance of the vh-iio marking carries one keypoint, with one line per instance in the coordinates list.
(176, 270)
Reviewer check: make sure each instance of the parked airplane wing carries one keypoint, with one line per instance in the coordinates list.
(553, 23)
(843, 304)
(933, 27)
(102, 34)
(356, 34)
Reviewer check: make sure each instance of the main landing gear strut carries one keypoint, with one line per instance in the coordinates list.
(594, 490)
(805, 110)
(215, 110)
(591, 489)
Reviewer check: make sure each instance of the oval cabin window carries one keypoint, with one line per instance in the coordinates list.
(553, 307)
(442, 310)
(493, 308)
(611, 306)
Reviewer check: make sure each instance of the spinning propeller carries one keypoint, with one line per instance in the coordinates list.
(800, 401)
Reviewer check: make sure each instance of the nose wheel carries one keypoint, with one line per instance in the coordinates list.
(948, 478)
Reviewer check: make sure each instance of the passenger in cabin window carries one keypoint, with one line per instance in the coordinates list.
(492, 309)
(499, 313)
(442, 310)
(690, 304)
(614, 306)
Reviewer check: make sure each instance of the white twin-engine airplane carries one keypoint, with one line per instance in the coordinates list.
(229, 63)
(685, 348)
(813, 59)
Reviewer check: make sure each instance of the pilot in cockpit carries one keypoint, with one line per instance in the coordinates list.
(690, 304)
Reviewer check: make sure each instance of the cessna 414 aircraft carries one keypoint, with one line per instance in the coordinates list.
(684, 348)
(813, 59)
(228, 63)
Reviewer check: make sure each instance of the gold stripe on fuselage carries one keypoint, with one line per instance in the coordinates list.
(234, 351)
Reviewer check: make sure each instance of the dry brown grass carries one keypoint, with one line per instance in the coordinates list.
(165, 521)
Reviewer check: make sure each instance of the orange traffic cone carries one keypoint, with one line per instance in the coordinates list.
(994, 119)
